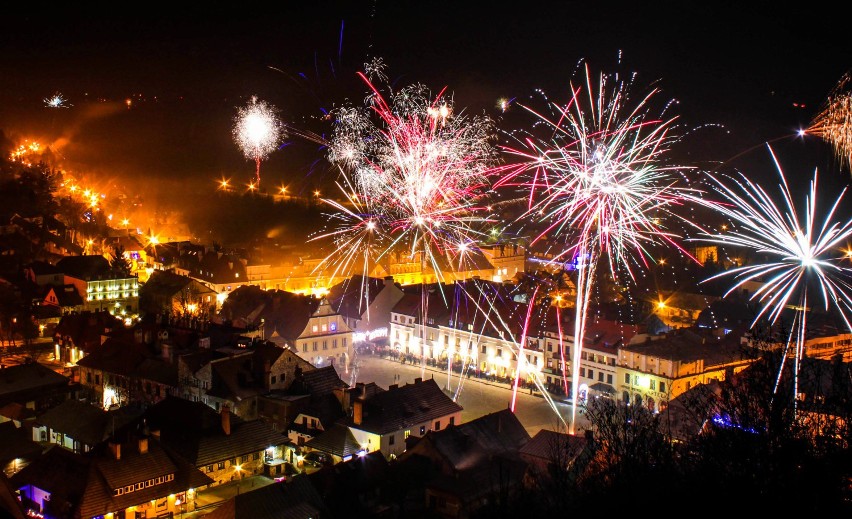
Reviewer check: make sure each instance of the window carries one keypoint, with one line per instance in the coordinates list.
(609, 379)
(653, 385)
(209, 468)
(600, 376)
(245, 458)
(332, 327)
(304, 347)
(274, 379)
(220, 465)
(452, 420)
(483, 349)
(627, 378)
(591, 374)
(438, 425)
(324, 328)
(422, 430)
(499, 352)
(662, 387)
(582, 372)
(325, 345)
(314, 328)
(315, 345)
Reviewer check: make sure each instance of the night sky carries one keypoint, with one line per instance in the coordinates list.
(743, 74)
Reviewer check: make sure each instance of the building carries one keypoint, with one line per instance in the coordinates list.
(134, 476)
(385, 420)
(101, 288)
(654, 371)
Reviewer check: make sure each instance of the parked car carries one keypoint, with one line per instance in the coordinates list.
(316, 459)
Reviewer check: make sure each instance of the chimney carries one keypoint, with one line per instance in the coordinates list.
(357, 412)
(418, 380)
(115, 448)
(392, 387)
(143, 445)
(226, 419)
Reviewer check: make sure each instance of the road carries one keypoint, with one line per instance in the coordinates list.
(477, 397)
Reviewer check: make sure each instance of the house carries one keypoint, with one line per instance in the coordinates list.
(78, 334)
(170, 293)
(365, 304)
(550, 454)
(128, 475)
(654, 371)
(384, 420)
(238, 376)
(464, 467)
(78, 426)
(326, 399)
(17, 449)
(358, 487)
(221, 445)
(34, 387)
(100, 287)
(122, 372)
(296, 499)
(319, 334)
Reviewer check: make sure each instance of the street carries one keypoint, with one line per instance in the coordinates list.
(476, 396)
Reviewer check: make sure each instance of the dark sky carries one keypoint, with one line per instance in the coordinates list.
(748, 72)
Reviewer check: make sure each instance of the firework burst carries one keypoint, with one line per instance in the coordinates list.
(57, 100)
(801, 253)
(834, 122)
(597, 179)
(418, 171)
(257, 131)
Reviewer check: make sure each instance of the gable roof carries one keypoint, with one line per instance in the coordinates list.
(472, 443)
(401, 407)
(28, 378)
(86, 423)
(336, 440)
(85, 267)
(295, 499)
(87, 481)
(551, 445)
(195, 430)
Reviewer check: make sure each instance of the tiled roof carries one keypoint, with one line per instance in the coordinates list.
(28, 377)
(401, 407)
(130, 359)
(85, 329)
(320, 381)
(84, 267)
(472, 443)
(337, 440)
(551, 445)
(351, 297)
(295, 499)
(195, 430)
(84, 422)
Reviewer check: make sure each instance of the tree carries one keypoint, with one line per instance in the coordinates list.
(119, 262)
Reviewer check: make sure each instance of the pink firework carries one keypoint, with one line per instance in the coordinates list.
(597, 179)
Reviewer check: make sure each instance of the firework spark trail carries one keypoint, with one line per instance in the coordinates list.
(257, 132)
(801, 253)
(834, 122)
(490, 308)
(598, 178)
